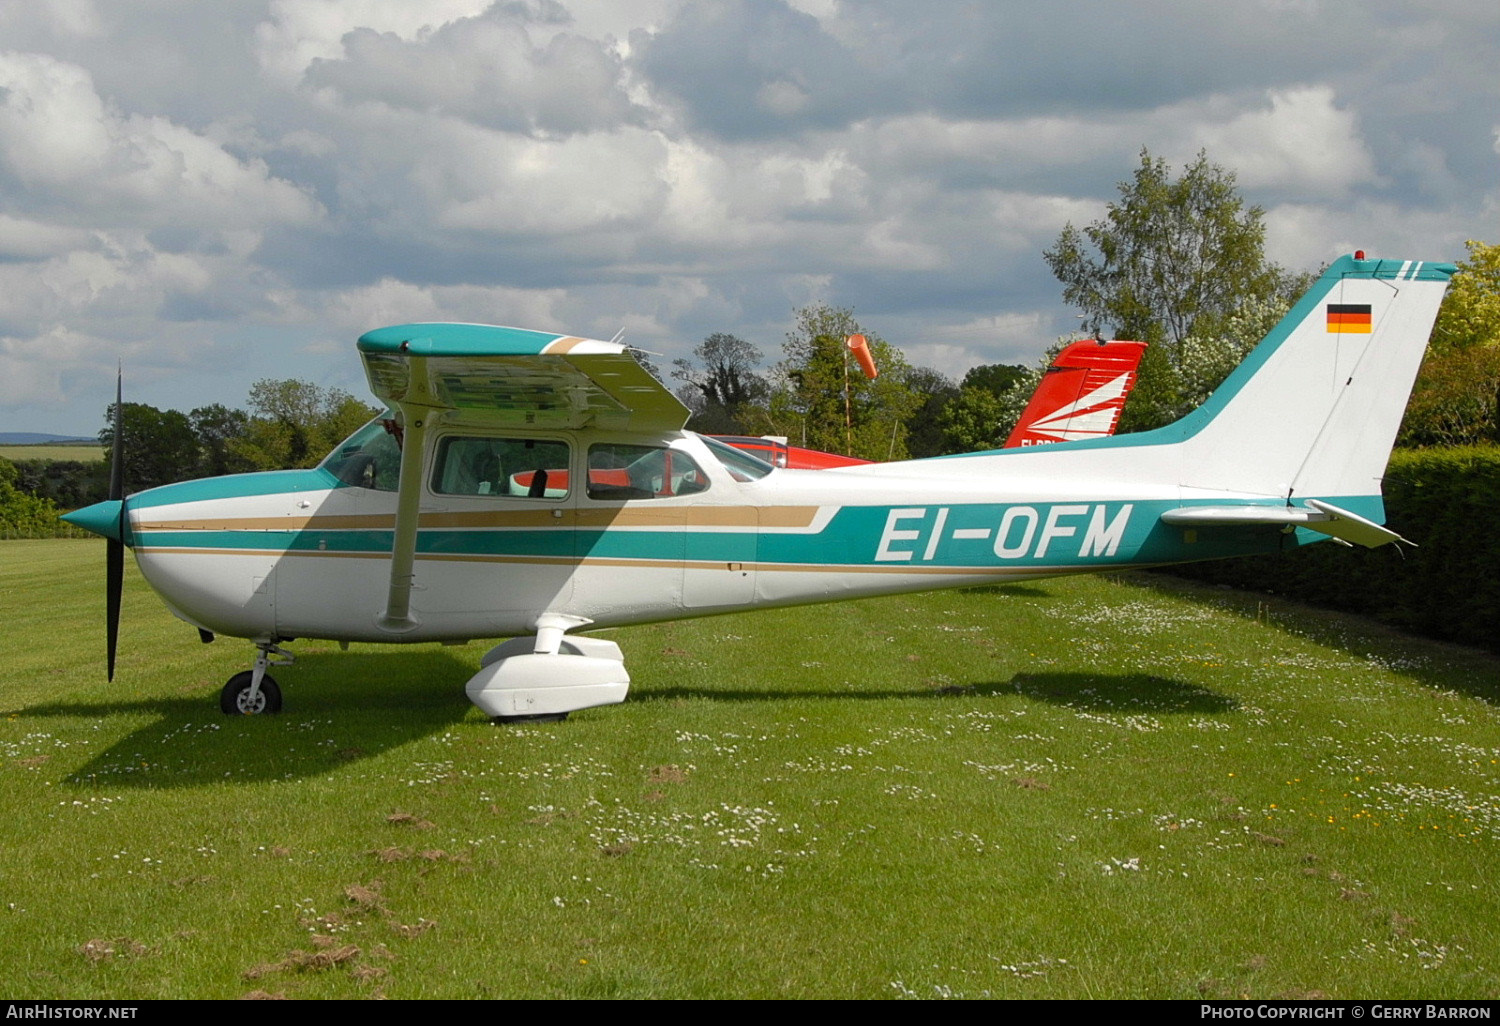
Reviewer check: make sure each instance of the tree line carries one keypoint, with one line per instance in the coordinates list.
(286, 424)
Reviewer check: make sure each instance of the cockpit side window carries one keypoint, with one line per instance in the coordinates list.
(369, 458)
(622, 472)
(523, 468)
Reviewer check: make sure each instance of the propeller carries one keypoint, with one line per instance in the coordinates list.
(114, 545)
(108, 520)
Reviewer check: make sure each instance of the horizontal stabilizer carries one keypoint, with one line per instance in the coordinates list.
(1323, 517)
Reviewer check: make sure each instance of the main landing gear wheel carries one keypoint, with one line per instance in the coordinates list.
(234, 700)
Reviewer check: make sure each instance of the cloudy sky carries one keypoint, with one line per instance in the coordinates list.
(216, 192)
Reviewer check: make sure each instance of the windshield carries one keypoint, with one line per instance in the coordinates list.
(740, 464)
(369, 458)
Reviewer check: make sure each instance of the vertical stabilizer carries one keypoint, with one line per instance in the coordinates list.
(1314, 409)
(1081, 394)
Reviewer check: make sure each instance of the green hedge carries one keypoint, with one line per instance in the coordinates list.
(1448, 586)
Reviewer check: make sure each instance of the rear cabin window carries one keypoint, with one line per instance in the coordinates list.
(522, 468)
(642, 472)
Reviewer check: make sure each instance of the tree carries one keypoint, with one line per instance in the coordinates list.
(972, 419)
(1169, 260)
(296, 423)
(1180, 264)
(925, 435)
(1470, 314)
(1456, 400)
(980, 414)
(159, 445)
(216, 427)
(824, 402)
(23, 515)
(722, 385)
(68, 483)
(995, 378)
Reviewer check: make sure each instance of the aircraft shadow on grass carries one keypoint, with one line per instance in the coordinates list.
(349, 706)
(1100, 692)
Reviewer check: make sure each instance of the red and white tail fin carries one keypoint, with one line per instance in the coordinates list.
(1081, 394)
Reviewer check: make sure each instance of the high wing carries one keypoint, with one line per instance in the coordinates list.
(500, 376)
(514, 377)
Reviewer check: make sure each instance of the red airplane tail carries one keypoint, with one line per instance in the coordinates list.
(1081, 394)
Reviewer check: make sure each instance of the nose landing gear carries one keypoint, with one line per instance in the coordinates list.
(255, 692)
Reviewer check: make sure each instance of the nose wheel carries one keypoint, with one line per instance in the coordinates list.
(237, 700)
(255, 692)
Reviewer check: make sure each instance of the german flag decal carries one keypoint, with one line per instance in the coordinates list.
(1349, 318)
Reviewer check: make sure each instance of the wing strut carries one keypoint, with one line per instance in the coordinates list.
(415, 411)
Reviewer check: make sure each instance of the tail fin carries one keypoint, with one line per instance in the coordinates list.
(1314, 409)
(1080, 395)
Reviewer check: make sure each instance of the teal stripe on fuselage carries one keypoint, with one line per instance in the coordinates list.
(1076, 535)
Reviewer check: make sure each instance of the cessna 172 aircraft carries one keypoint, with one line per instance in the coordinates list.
(537, 486)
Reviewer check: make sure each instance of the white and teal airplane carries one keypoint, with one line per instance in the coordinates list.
(535, 486)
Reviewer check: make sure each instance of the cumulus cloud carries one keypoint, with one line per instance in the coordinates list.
(487, 69)
(1308, 235)
(72, 17)
(1302, 141)
(22, 239)
(391, 301)
(72, 155)
(299, 32)
(752, 68)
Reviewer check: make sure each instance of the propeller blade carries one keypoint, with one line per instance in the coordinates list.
(114, 551)
(117, 445)
(114, 584)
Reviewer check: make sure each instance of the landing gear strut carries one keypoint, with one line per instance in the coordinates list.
(255, 692)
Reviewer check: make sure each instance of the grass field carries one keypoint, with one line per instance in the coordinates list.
(80, 453)
(1090, 788)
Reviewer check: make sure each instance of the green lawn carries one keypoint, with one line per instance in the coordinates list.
(1088, 788)
(81, 453)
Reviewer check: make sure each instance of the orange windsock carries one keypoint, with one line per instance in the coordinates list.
(860, 347)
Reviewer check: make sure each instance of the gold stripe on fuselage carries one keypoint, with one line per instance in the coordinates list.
(770, 517)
